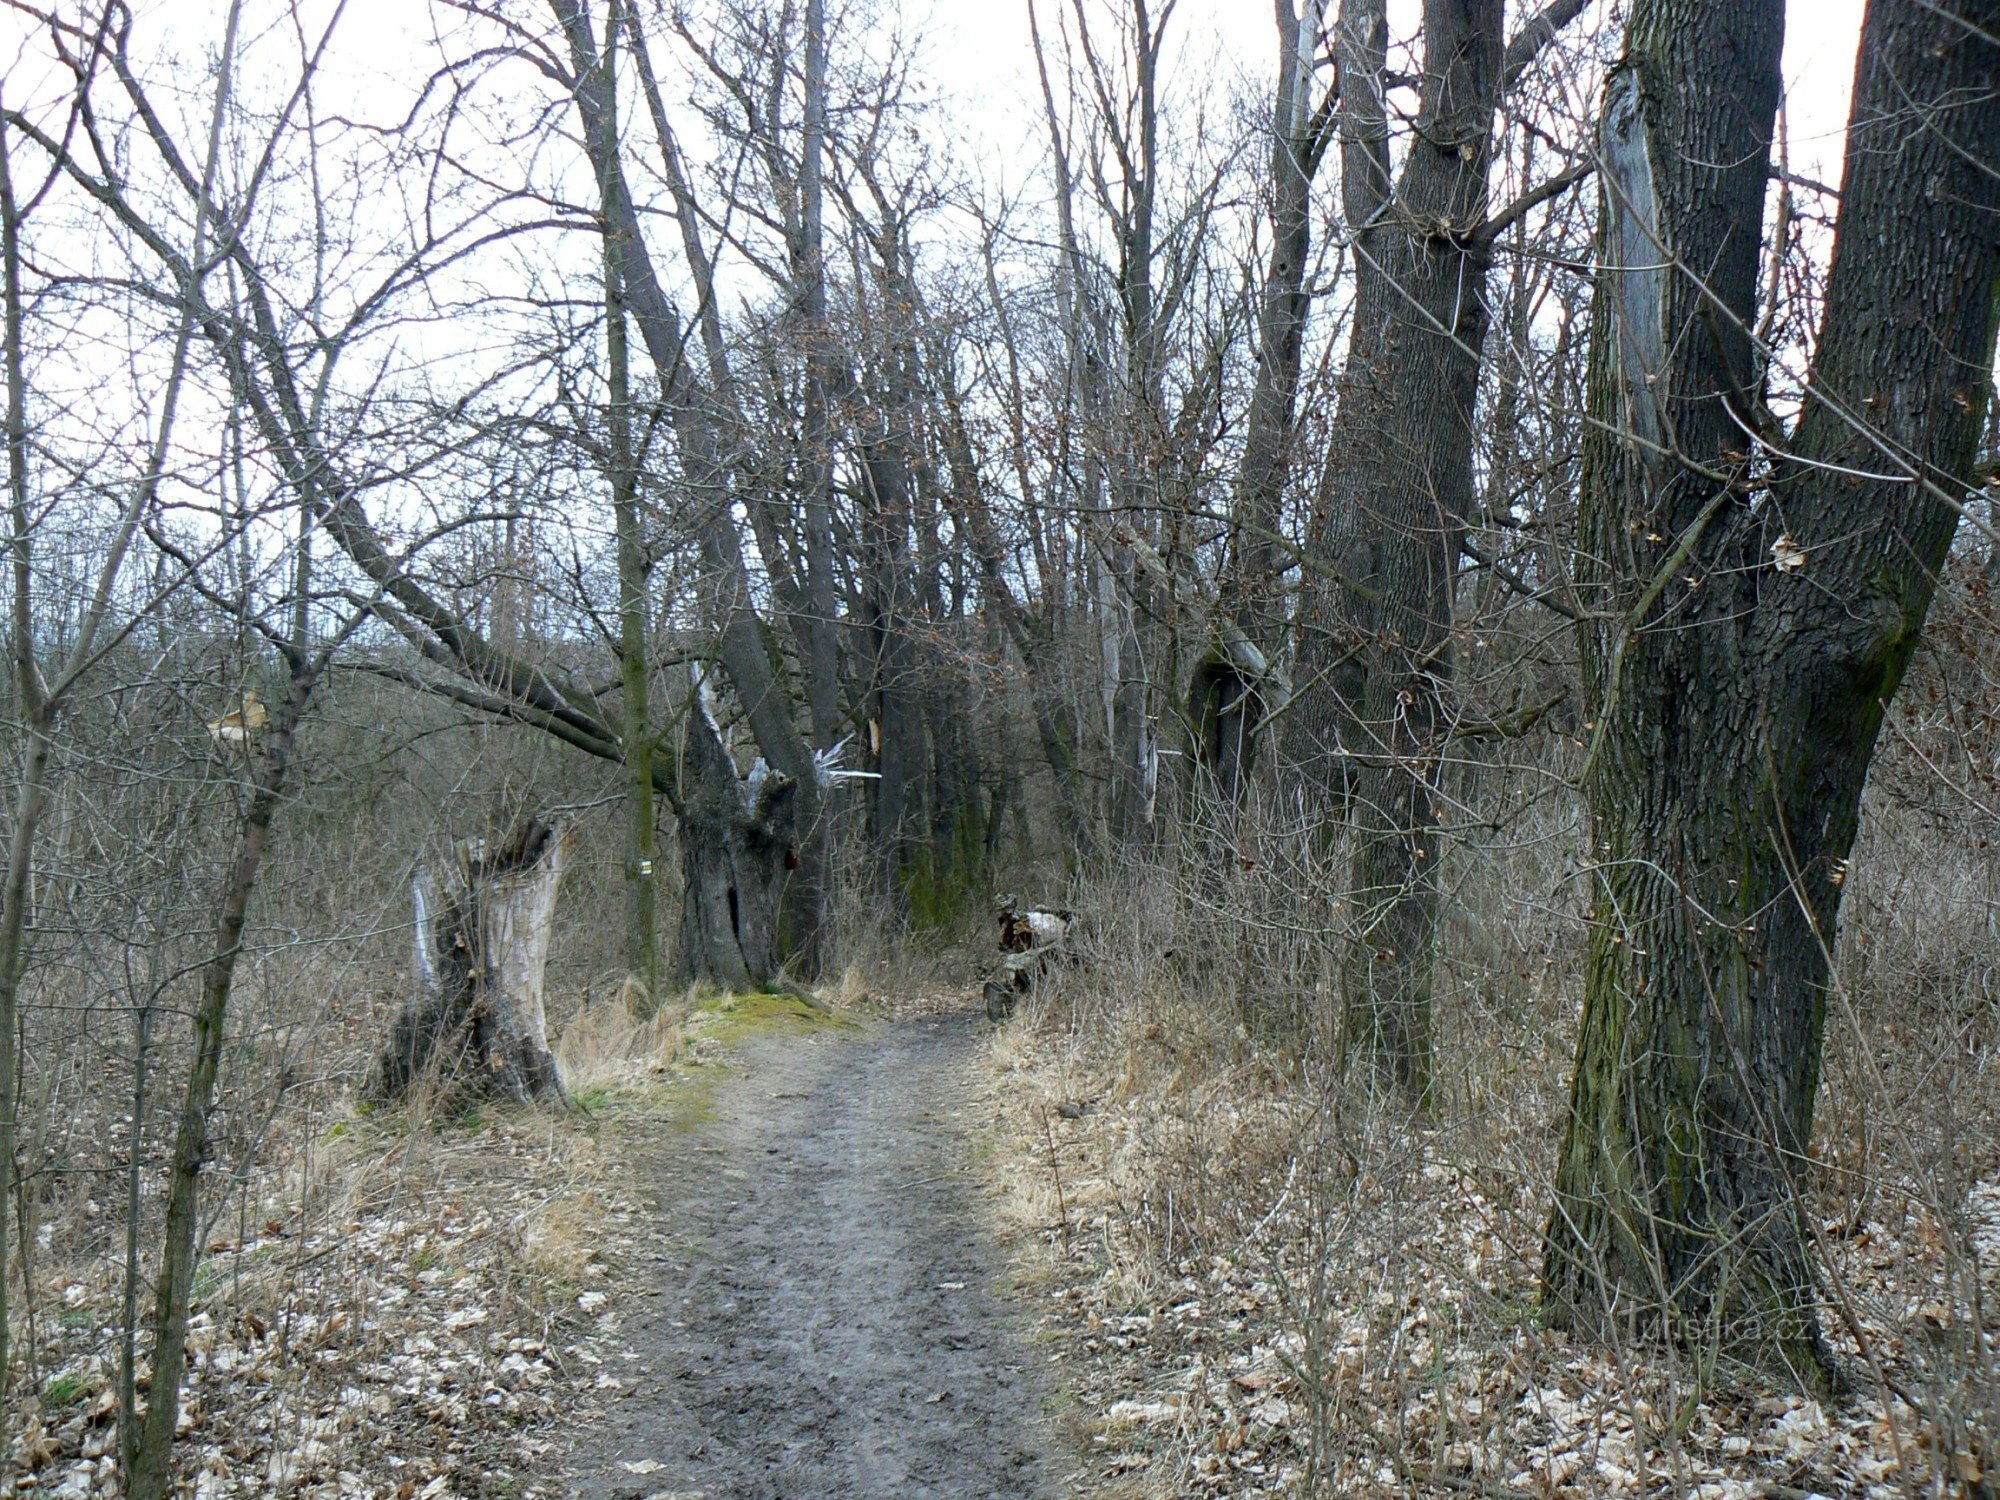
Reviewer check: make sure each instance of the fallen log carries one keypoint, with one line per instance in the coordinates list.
(1025, 928)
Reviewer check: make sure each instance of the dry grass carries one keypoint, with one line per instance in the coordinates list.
(392, 1304)
(1270, 1287)
(621, 1044)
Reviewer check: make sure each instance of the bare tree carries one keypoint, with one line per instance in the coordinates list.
(1371, 716)
(46, 684)
(1755, 595)
(1234, 686)
(737, 829)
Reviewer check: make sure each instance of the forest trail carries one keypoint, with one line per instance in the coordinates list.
(824, 1319)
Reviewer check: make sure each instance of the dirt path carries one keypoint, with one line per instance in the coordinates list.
(825, 1321)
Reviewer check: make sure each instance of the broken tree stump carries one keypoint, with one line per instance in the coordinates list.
(475, 1017)
(1031, 939)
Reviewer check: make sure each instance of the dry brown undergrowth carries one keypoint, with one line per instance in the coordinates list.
(1262, 1293)
(394, 1307)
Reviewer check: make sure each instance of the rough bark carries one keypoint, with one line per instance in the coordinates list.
(475, 1017)
(1739, 685)
(1368, 721)
(1403, 491)
(1400, 411)
(739, 848)
(1230, 692)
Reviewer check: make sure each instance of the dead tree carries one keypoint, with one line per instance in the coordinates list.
(475, 1014)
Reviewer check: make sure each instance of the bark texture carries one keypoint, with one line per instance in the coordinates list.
(1375, 648)
(476, 1012)
(739, 852)
(1751, 634)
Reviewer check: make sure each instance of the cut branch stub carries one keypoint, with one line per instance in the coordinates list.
(475, 1017)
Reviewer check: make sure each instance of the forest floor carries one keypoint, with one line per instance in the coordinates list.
(790, 1251)
(824, 1312)
(759, 1261)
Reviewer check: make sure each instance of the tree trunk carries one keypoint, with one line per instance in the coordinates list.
(40, 702)
(729, 602)
(822, 663)
(476, 1014)
(28, 804)
(1136, 659)
(739, 852)
(1406, 483)
(179, 1257)
(973, 517)
(1135, 746)
(1753, 648)
(1330, 623)
(35, 752)
(642, 942)
(1229, 702)
(883, 416)
(897, 725)
(1369, 724)
(957, 857)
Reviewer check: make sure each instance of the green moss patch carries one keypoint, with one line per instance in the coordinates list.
(731, 1017)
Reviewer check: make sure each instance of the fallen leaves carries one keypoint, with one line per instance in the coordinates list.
(400, 1346)
(1386, 1301)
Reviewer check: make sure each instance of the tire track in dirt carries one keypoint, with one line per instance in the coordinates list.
(825, 1322)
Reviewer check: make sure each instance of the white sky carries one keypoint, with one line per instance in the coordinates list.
(977, 54)
(981, 59)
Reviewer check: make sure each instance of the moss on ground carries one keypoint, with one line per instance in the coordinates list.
(681, 1094)
(734, 1016)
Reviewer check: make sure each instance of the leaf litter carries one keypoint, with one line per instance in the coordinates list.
(1359, 1319)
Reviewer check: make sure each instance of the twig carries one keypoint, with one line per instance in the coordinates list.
(1055, 1170)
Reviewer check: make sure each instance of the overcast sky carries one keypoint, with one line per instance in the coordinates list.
(981, 58)
(978, 55)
